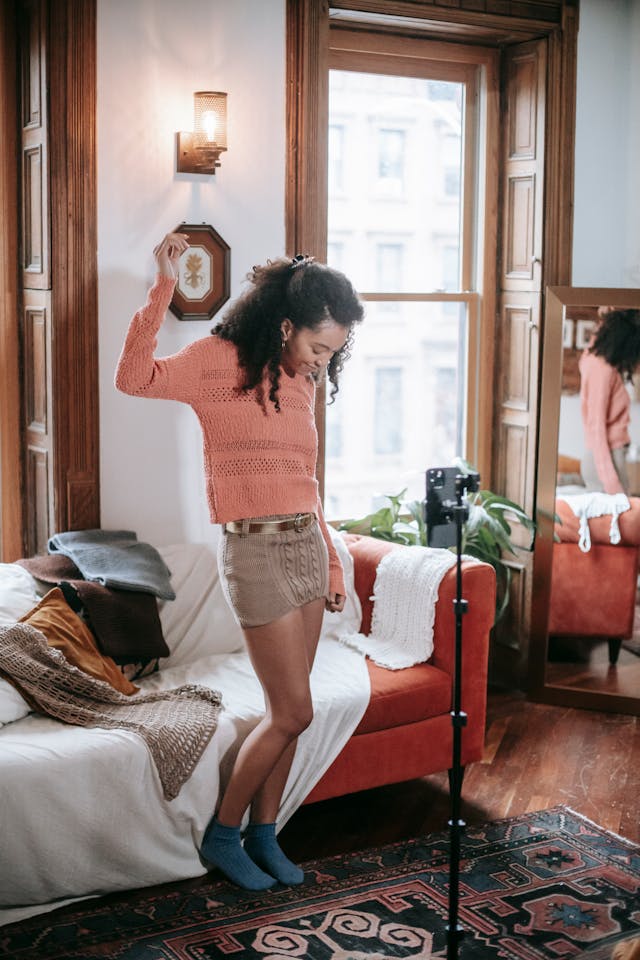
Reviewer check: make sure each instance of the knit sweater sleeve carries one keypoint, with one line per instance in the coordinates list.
(139, 372)
(336, 573)
(597, 383)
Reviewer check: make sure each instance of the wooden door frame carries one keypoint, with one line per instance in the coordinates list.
(11, 483)
(307, 111)
(71, 49)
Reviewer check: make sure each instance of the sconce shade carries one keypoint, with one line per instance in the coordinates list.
(199, 152)
(210, 119)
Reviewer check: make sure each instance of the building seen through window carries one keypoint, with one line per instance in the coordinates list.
(394, 227)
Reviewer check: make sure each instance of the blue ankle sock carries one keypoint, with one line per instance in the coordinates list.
(262, 846)
(221, 846)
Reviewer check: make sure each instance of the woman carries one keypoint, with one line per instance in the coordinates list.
(252, 386)
(611, 358)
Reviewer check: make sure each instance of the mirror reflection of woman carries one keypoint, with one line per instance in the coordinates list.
(605, 367)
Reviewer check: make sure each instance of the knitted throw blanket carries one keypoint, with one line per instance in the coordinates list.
(176, 725)
(597, 504)
(405, 594)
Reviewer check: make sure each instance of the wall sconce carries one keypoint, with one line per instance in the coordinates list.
(199, 152)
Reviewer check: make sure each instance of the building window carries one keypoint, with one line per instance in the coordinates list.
(391, 162)
(388, 266)
(333, 431)
(335, 254)
(388, 410)
(336, 158)
(391, 155)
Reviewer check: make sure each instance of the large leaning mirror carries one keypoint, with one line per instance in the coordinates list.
(585, 636)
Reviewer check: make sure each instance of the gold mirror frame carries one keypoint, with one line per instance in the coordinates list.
(557, 299)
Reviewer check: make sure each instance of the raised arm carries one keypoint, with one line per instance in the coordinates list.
(138, 372)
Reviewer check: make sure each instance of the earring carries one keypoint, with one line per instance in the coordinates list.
(283, 343)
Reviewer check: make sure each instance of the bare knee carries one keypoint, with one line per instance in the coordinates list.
(293, 721)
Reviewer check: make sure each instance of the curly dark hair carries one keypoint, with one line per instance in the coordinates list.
(305, 292)
(617, 340)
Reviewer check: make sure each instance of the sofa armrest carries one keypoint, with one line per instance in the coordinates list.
(478, 588)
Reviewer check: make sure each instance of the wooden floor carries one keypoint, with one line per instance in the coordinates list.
(585, 666)
(536, 756)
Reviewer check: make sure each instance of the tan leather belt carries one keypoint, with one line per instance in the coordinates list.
(297, 523)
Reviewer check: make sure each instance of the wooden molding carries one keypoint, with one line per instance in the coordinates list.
(560, 133)
(74, 302)
(307, 118)
(11, 480)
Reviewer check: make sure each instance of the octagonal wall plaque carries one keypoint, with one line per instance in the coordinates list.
(203, 285)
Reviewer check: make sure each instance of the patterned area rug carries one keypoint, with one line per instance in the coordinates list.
(547, 885)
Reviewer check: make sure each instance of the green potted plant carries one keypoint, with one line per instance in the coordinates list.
(486, 534)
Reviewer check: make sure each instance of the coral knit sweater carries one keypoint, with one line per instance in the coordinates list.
(605, 406)
(258, 462)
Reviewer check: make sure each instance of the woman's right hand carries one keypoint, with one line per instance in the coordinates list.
(168, 253)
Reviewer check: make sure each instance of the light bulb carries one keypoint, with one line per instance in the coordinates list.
(209, 125)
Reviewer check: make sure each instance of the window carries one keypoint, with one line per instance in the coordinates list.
(387, 401)
(450, 276)
(388, 266)
(391, 160)
(407, 247)
(333, 436)
(336, 158)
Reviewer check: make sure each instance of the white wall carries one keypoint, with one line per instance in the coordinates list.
(606, 247)
(152, 55)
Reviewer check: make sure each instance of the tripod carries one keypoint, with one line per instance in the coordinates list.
(439, 512)
(460, 513)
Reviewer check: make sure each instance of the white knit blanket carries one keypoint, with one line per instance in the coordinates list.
(404, 594)
(597, 504)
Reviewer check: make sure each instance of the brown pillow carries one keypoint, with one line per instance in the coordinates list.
(65, 631)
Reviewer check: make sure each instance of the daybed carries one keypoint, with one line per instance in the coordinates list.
(82, 810)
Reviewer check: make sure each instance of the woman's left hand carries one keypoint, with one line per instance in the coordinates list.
(335, 603)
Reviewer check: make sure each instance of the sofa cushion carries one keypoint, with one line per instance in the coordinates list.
(64, 630)
(405, 696)
(18, 593)
(199, 622)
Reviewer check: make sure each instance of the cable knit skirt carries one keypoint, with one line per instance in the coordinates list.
(265, 575)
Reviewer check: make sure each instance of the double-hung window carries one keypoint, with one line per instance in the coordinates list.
(403, 225)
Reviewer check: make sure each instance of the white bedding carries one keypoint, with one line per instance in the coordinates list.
(82, 811)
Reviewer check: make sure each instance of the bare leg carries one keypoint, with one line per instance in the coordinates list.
(281, 659)
(266, 802)
(282, 654)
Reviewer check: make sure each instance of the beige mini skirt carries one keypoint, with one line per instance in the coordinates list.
(265, 575)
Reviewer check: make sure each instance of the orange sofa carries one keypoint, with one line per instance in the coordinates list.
(406, 731)
(593, 594)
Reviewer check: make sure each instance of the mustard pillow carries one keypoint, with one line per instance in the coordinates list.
(65, 631)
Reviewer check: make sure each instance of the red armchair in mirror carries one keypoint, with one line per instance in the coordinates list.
(593, 593)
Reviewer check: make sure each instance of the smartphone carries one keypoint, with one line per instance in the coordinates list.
(441, 497)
